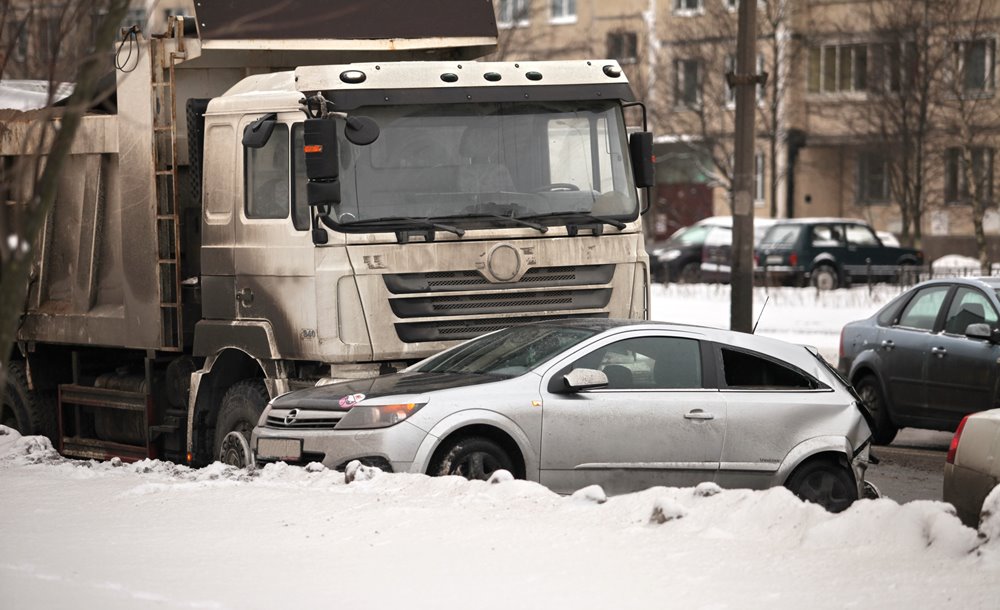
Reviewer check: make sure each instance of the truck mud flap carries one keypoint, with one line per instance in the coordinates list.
(84, 413)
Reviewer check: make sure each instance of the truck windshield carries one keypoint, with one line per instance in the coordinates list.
(487, 165)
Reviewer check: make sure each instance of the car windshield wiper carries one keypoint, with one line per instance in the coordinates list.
(585, 216)
(403, 222)
(514, 219)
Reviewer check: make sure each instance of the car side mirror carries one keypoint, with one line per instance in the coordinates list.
(982, 332)
(578, 380)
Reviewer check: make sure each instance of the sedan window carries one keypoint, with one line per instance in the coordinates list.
(745, 370)
(969, 307)
(648, 363)
(922, 310)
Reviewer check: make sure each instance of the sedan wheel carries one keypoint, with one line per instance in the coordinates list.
(690, 274)
(474, 458)
(871, 395)
(825, 483)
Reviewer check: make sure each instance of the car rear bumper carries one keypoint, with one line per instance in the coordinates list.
(780, 275)
(966, 489)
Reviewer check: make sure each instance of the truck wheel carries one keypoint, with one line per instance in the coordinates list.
(23, 410)
(871, 394)
(825, 277)
(824, 482)
(241, 408)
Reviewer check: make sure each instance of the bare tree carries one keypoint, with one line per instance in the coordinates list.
(60, 47)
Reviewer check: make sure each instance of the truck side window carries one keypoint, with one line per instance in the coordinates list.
(300, 205)
(266, 185)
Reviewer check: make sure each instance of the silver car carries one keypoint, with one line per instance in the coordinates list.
(570, 403)
(972, 466)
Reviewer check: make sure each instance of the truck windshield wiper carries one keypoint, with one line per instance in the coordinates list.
(514, 219)
(403, 222)
(585, 216)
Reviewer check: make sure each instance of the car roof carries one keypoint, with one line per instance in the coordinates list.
(819, 220)
(991, 283)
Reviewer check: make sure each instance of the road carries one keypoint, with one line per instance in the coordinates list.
(912, 467)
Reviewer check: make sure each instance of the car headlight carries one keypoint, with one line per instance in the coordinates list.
(670, 255)
(362, 417)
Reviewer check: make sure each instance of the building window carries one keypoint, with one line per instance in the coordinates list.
(976, 64)
(563, 11)
(687, 88)
(894, 66)
(838, 68)
(956, 184)
(873, 178)
(688, 7)
(513, 13)
(623, 46)
(758, 178)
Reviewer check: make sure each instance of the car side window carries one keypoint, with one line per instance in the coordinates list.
(860, 235)
(750, 371)
(826, 236)
(648, 363)
(969, 306)
(922, 310)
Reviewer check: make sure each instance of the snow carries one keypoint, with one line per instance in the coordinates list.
(153, 534)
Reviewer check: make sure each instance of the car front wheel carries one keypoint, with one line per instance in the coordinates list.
(871, 394)
(824, 482)
(475, 458)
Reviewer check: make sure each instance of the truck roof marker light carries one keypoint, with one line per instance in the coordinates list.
(492, 76)
(313, 148)
(533, 75)
(612, 71)
(449, 77)
(353, 77)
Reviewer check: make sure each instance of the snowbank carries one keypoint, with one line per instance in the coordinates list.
(114, 535)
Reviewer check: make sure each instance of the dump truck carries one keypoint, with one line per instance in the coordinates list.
(237, 227)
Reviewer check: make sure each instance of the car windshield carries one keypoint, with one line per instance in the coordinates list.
(487, 165)
(781, 235)
(506, 353)
(691, 235)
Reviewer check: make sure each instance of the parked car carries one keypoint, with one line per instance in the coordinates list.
(927, 358)
(716, 256)
(571, 403)
(829, 253)
(972, 467)
(678, 259)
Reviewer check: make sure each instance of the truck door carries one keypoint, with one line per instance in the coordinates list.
(274, 254)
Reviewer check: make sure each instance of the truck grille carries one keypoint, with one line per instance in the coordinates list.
(541, 294)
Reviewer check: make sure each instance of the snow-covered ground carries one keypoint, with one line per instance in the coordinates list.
(108, 535)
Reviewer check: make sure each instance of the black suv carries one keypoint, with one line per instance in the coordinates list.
(829, 253)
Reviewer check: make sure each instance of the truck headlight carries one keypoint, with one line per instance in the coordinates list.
(363, 417)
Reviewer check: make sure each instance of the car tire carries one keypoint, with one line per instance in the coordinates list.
(690, 273)
(474, 457)
(871, 394)
(824, 482)
(824, 277)
(241, 408)
(23, 410)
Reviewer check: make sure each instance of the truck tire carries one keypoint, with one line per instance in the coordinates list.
(23, 410)
(241, 408)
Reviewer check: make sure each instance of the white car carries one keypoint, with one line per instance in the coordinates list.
(972, 468)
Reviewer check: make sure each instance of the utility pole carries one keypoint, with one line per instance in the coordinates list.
(744, 82)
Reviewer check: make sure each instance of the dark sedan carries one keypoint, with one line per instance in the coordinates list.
(929, 357)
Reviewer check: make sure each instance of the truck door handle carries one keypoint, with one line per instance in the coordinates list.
(940, 352)
(245, 297)
(698, 414)
(887, 344)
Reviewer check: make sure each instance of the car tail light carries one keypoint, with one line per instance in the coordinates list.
(953, 448)
(793, 259)
(756, 259)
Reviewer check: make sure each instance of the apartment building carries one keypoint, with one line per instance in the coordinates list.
(880, 109)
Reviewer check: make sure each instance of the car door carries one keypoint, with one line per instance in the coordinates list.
(903, 352)
(865, 253)
(771, 408)
(660, 421)
(962, 372)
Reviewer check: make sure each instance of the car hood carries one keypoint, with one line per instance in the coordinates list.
(343, 395)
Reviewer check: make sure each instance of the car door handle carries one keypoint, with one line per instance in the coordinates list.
(887, 344)
(698, 414)
(940, 352)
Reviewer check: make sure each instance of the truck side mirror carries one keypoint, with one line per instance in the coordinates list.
(640, 146)
(256, 134)
(322, 166)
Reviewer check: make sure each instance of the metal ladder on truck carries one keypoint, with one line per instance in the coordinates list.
(133, 400)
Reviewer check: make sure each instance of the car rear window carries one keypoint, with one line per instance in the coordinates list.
(781, 235)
